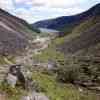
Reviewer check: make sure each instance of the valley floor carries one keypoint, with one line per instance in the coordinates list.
(46, 83)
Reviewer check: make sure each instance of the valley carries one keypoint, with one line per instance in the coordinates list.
(56, 59)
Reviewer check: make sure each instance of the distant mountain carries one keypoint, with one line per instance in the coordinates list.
(15, 33)
(82, 32)
(68, 23)
(85, 37)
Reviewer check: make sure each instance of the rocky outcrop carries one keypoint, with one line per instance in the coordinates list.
(15, 34)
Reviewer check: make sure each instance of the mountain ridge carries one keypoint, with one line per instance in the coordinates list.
(61, 23)
(15, 33)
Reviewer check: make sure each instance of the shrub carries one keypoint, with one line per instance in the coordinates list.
(68, 73)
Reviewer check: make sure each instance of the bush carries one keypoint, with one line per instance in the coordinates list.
(68, 73)
(73, 70)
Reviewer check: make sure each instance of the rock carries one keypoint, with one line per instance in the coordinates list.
(96, 88)
(35, 96)
(80, 89)
(39, 96)
(15, 76)
(11, 80)
(26, 98)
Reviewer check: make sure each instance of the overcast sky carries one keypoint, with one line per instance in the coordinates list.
(35, 10)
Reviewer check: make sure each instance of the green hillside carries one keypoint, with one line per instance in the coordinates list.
(68, 69)
(77, 55)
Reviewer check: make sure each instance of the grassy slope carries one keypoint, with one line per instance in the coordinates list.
(61, 90)
(50, 53)
(53, 89)
(83, 36)
(48, 83)
(58, 91)
(85, 27)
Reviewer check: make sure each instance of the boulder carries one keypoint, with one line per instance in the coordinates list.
(11, 80)
(35, 96)
(15, 76)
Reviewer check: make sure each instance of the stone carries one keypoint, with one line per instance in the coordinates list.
(26, 98)
(35, 96)
(39, 96)
(15, 76)
(11, 80)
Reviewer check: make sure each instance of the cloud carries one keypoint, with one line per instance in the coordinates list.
(34, 10)
(6, 5)
(56, 3)
(32, 2)
(25, 14)
(40, 13)
(48, 3)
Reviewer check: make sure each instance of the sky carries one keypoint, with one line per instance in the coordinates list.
(35, 10)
